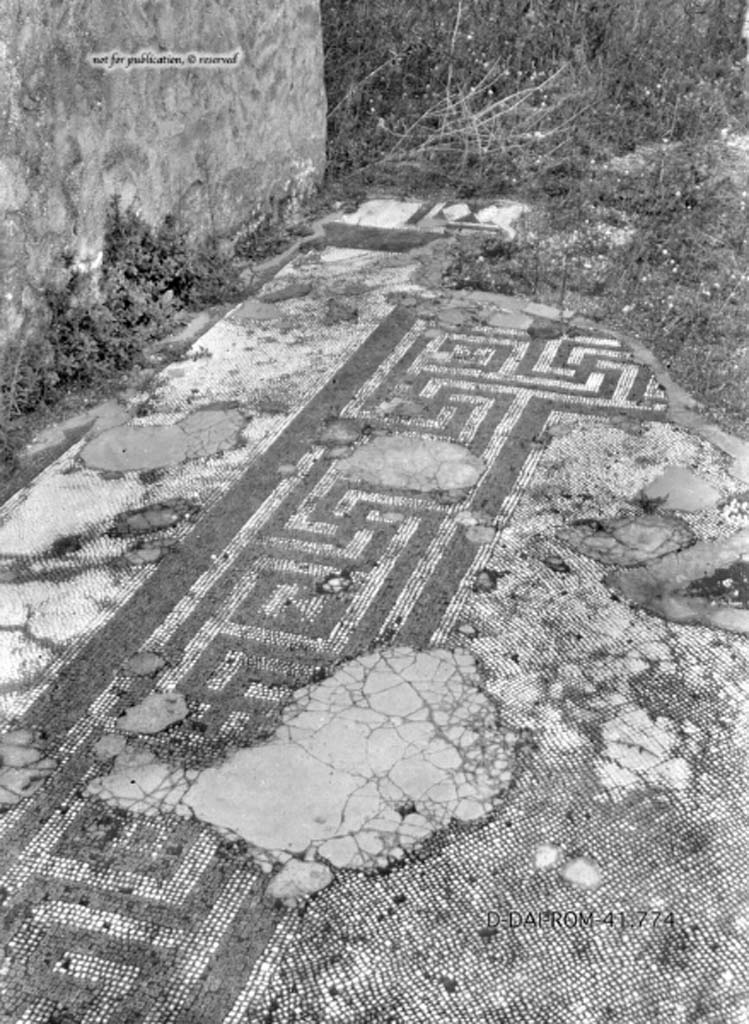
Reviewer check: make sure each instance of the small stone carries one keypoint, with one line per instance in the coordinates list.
(336, 583)
(681, 490)
(485, 582)
(298, 880)
(453, 316)
(23, 766)
(109, 746)
(540, 309)
(481, 534)
(555, 563)
(340, 432)
(152, 518)
(545, 330)
(636, 664)
(583, 873)
(154, 713)
(295, 290)
(383, 213)
(404, 407)
(452, 495)
(546, 855)
(286, 469)
(511, 321)
(144, 556)
(340, 310)
(144, 663)
(456, 211)
(132, 758)
(468, 630)
(255, 309)
(502, 217)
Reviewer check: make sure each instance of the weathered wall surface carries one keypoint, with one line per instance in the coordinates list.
(213, 144)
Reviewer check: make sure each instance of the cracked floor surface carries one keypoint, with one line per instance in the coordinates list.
(408, 683)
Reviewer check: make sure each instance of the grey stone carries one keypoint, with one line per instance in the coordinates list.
(629, 542)
(340, 432)
(255, 309)
(582, 873)
(503, 217)
(340, 310)
(135, 446)
(24, 767)
(480, 534)
(109, 746)
(144, 663)
(681, 490)
(413, 463)
(456, 211)
(297, 880)
(144, 556)
(512, 321)
(154, 713)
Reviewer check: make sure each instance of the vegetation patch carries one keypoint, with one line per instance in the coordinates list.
(606, 115)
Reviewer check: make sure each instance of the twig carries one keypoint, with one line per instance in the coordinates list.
(458, 17)
(352, 89)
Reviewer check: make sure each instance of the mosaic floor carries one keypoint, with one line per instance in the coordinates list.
(391, 667)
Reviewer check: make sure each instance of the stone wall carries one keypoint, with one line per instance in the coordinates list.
(214, 144)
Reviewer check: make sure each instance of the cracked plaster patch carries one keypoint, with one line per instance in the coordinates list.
(364, 765)
(413, 463)
(627, 541)
(133, 446)
(667, 588)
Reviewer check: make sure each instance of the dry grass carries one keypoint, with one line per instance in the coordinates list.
(471, 125)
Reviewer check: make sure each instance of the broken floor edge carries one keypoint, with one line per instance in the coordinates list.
(683, 409)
